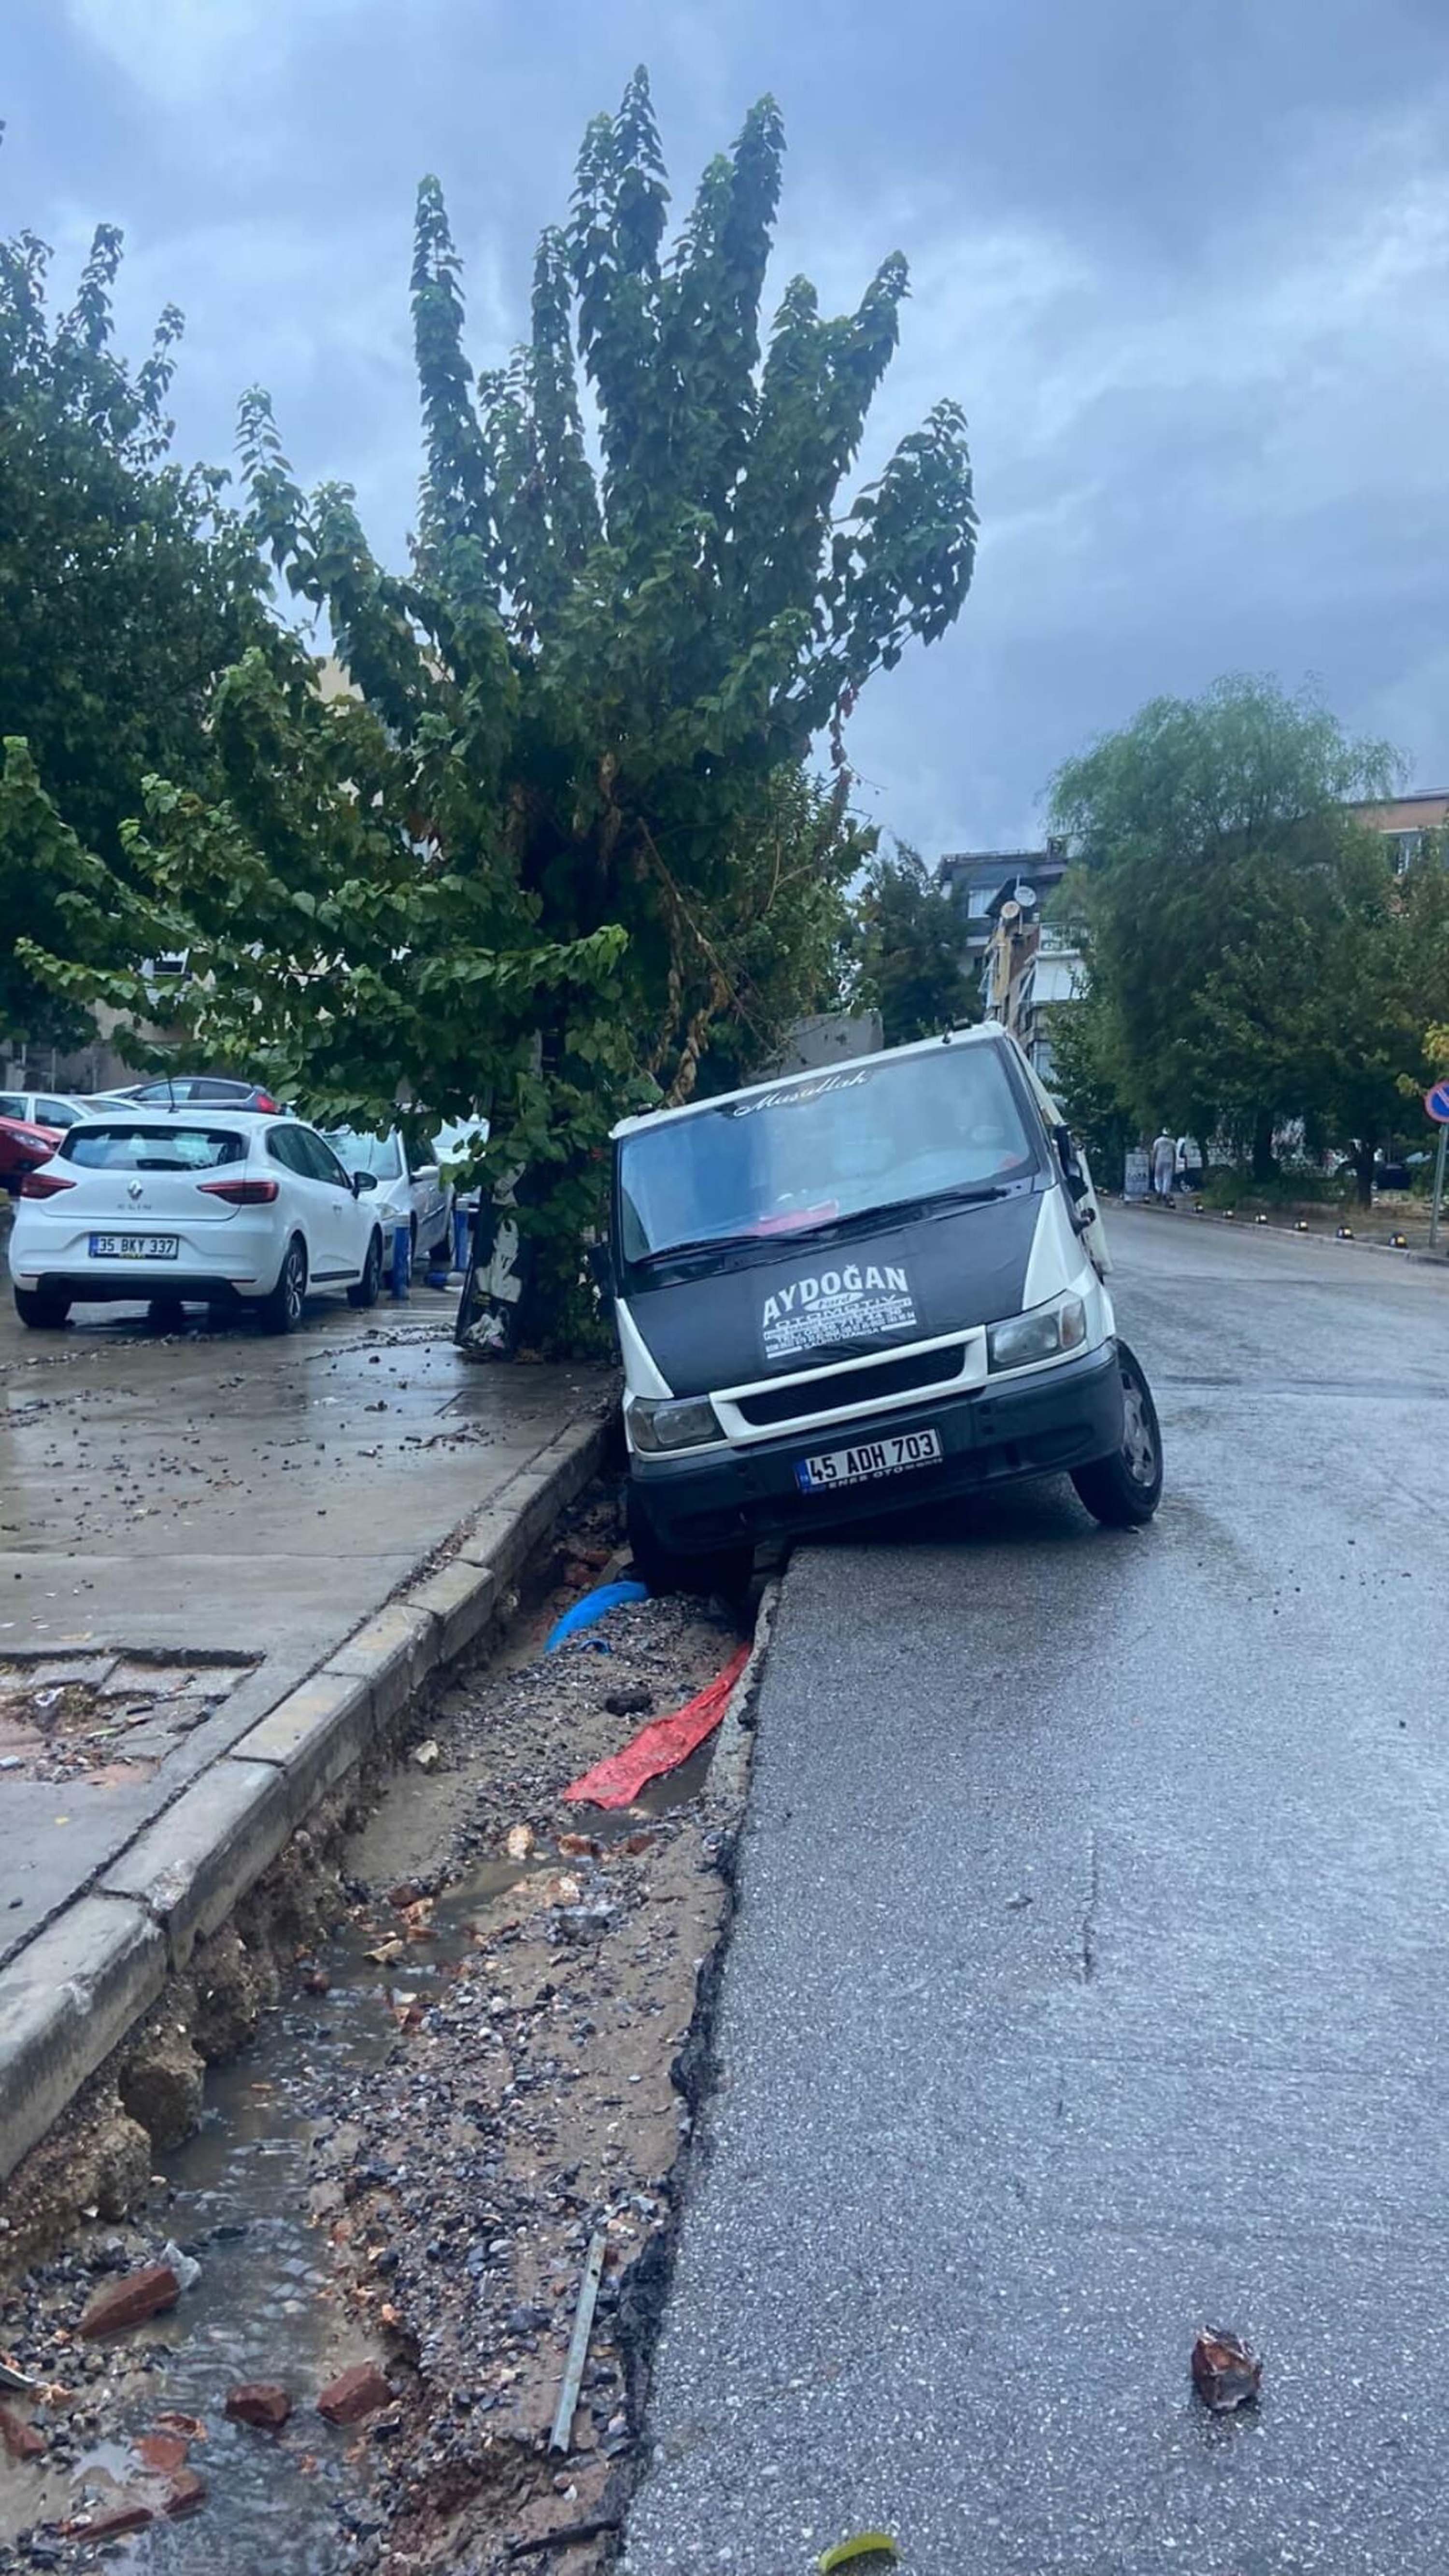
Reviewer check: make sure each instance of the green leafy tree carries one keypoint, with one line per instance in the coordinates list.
(1317, 1009)
(911, 959)
(1208, 834)
(558, 854)
(125, 589)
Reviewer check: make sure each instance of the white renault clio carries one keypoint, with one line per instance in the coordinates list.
(226, 1207)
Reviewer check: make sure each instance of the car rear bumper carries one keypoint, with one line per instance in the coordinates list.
(994, 1434)
(138, 1284)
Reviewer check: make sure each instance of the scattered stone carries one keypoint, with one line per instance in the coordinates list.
(357, 2392)
(428, 1754)
(21, 2440)
(129, 2302)
(519, 1841)
(163, 2085)
(261, 2403)
(1224, 2373)
(629, 1703)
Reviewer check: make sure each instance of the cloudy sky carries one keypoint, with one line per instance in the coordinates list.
(1185, 263)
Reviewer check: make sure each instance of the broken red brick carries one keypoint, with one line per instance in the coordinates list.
(357, 2392)
(130, 2301)
(109, 2521)
(260, 2403)
(163, 2451)
(21, 2440)
(185, 2494)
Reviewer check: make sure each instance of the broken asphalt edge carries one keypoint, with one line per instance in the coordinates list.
(69, 1997)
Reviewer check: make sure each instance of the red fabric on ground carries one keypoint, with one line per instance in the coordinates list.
(660, 1746)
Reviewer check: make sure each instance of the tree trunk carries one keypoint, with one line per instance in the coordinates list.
(1363, 1173)
(1264, 1166)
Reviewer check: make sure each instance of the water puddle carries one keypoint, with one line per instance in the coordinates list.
(262, 2308)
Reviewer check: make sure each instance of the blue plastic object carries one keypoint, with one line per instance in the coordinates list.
(594, 1605)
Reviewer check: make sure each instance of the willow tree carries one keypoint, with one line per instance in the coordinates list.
(559, 850)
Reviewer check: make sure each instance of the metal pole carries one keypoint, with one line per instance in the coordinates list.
(1438, 1189)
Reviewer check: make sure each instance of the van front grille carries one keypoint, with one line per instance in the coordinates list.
(833, 1389)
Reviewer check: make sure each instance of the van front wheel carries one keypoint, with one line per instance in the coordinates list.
(1123, 1491)
(725, 1570)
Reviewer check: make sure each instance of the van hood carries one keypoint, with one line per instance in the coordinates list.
(808, 1305)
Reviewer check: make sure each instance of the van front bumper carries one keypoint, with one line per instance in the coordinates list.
(1041, 1426)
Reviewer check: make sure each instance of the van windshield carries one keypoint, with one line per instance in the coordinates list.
(822, 1148)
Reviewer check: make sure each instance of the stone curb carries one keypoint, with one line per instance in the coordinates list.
(1250, 1225)
(72, 1993)
(65, 2002)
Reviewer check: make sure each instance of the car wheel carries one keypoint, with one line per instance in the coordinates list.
(43, 1314)
(724, 1570)
(281, 1312)
(364, 1291)
(166, 1315)
(1123, 1491)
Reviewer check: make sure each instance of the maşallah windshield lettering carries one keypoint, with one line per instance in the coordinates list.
(827, 1149)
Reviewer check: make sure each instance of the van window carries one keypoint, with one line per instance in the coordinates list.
(829, 1146)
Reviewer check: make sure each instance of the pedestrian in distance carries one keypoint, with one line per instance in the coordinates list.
(1164, 1166)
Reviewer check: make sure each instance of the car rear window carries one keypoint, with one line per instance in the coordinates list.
(132, 1145)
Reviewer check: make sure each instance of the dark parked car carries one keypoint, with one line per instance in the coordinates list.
(188, 1090)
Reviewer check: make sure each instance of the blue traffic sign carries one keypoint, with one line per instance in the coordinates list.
(1436, 1101)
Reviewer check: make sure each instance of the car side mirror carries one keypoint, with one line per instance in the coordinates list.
(425, 1171)
(363, 1181)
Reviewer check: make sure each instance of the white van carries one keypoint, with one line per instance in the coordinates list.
(859, 1290)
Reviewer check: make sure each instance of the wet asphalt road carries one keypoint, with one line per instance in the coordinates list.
(1091, 1985)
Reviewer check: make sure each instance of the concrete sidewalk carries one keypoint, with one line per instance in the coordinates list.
(191, 1528)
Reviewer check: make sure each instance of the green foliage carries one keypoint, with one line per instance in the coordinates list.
(125, 589)
(910, 956)
(1086, 1080)
(1244, 935)
(560, 855)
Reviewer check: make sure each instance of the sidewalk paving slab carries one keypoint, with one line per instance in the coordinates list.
(330, 1580)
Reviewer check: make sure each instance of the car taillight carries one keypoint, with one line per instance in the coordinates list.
(266, 1102)
(241, 1193)
(43, 1185)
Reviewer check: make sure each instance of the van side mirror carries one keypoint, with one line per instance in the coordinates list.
(1071, 1162)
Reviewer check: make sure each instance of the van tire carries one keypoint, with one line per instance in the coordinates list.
(724, 1570)
(1123, 1491)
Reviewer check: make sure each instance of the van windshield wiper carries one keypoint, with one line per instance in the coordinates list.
(695, 1244)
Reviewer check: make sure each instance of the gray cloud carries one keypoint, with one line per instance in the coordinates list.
(1185, 267)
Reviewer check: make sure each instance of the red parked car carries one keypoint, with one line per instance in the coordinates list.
(22, 1146)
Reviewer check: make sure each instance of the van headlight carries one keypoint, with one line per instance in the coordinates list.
(1043, 1334)
(673, 1422)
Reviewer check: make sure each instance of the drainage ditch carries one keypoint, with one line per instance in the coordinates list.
(486, 2052)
